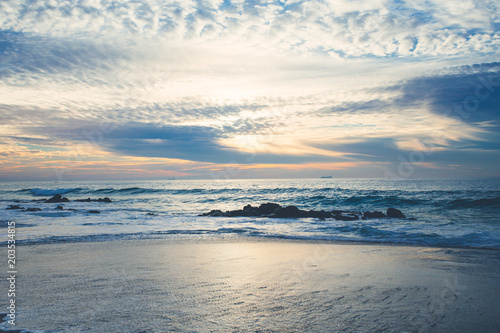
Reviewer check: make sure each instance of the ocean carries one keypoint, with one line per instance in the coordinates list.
(444, 212)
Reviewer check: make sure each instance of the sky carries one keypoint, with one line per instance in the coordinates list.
(249, 89)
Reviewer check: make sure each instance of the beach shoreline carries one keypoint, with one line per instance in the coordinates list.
(243, 284)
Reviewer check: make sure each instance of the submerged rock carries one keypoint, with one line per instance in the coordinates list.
(33, 209)
(393, 212)
(94, 212)
(15, 207)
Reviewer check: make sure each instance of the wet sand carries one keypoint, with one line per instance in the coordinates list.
(233, 285)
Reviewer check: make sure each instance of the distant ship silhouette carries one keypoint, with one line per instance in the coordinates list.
(326, 176)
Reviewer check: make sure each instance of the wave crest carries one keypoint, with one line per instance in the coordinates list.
(46, 192)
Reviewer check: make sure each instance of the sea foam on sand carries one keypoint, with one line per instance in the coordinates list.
(208, 285)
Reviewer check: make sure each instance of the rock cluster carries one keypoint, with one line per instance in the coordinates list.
(23, 209)
(58, 198)
(277, 211)
(94, 200)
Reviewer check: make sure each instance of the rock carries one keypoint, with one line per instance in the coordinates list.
(57, 198)
(94, 200)
(152, 214)
(236, 213)
(348, 217)
(15, 207)
(284, 212)
(33, 209)
(59, 208)
(317, 214)
(84, 200)
(267, 208)
(393, 212)
(373, 215)
(251, 211)
(214, 212)
(336, 212)
(94, 212)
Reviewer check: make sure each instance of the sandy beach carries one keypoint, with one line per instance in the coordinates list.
(231, 285)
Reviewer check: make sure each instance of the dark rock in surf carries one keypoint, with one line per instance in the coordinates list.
(94, 212)
(346, 217)
(108, 200)
(15, 207)
(251, 211)
(33, 209)
(57, 198)
(317, 214)
(286, 212)
(373, 215)
(214, 212)
(59, 208)
(83, 200)
(393, 212)
(276, 211)
(236, 213)
(267, 208)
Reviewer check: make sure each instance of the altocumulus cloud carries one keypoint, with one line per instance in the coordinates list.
(255, 81)
(350, 28)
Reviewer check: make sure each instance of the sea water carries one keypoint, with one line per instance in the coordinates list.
(444, 212)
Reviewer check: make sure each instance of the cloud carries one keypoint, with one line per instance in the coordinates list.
(458, 92)
(309, 128)
(193, 143)
(346, 28)
(254, 82)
